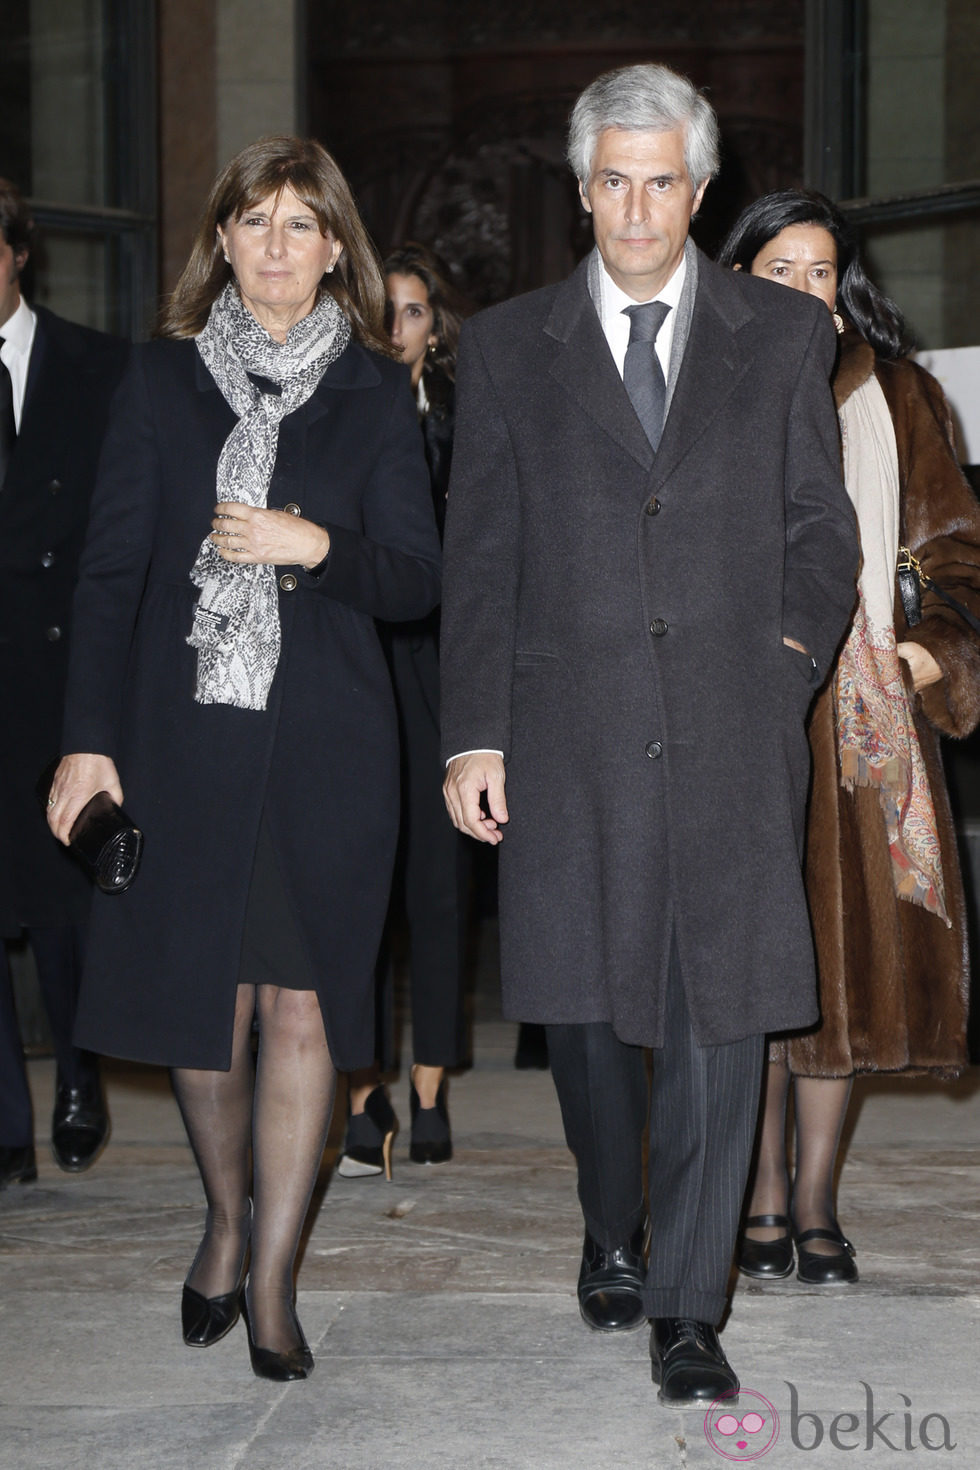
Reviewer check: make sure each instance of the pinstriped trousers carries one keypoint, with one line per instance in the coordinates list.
(701, 1105)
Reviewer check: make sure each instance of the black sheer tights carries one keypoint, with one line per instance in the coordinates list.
(281, 1110)
(820, 1105)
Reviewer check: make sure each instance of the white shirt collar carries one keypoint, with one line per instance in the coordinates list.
(18, 331)
(613, 302)
(17, 335)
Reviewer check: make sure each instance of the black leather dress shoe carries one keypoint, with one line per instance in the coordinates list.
(79, 1127)
(765, 1260)
(17, 1165)
(610, 1284)
(687, 1361)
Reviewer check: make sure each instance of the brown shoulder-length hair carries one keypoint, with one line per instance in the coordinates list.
(266, 168)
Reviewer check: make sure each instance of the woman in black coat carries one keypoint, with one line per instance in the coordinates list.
(424, 315)
(263, 497)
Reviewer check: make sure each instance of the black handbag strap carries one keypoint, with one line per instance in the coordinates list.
(964, 612)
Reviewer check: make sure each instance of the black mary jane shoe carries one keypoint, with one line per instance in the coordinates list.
(367, 1147)
(689, 1364)
(815, 1269)
(765, 1260)
(278, 1367)
(431, 1139)
(610, 1284)
(79, 1126)
(17, 1165)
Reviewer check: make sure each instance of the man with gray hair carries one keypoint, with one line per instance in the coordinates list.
(650, 558)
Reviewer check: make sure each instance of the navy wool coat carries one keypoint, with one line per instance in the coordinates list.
(321, 761)
(44, 504)
(613, 621)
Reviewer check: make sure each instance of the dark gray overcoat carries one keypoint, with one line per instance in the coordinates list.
(613, 622)
(44, 504)
(321, 760)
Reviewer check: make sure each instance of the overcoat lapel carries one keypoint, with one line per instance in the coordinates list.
(584, 367)
(714, 363)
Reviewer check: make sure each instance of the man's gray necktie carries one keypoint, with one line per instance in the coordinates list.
(643, 376)
(8, 431)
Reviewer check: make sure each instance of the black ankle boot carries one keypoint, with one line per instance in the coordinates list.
(367, 1147)
(431, 1139)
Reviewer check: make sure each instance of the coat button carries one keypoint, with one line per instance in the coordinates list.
(652, 506)
(52, 634)
(658, 627)
(288, 583)
(55, 486)
(48, 559)
(654, 750)
(292, 509)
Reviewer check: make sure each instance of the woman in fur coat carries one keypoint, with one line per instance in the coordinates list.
(883, 880)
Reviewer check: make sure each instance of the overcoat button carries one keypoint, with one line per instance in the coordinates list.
(652, 506)
(655, 750)
(288, 582)
(48, 559)
(292, 509)
(658, 627)
(52, 634)
(55, 486)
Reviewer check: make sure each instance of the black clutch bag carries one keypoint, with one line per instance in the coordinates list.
(106, 842)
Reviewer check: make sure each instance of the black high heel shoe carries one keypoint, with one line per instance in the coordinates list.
(765, 1260)
(279, 1367)
(367, 1147)
(205, 1320)
(431, 1139)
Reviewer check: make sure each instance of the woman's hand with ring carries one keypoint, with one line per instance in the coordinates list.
(255, 535)
(75, 782)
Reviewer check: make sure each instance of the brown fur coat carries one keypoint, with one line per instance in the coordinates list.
(893, 978)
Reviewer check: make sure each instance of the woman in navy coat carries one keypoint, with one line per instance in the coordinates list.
(263, 497)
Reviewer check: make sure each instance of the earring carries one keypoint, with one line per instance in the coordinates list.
(838, 323)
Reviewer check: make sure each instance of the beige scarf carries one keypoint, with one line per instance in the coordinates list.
(876, 737)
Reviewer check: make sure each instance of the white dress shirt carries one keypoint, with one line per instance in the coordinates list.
(16, 341)
(612, 304)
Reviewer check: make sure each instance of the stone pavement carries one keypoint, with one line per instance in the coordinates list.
(442, 1313)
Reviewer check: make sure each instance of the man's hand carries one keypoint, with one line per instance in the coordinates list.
(792, 643)
(922, 665)
(467, 777)
(76, 781)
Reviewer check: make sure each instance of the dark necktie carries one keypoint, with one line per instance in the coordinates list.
(643, 376)
(8, 431)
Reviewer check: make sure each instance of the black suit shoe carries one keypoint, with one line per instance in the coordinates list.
(610, 1284)
(687, 1361)
(79, 1127)
(17, 1165)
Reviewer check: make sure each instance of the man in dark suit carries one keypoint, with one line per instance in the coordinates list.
(56, 380)
(650, 558)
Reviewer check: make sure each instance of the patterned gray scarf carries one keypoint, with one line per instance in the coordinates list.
(236, 623)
